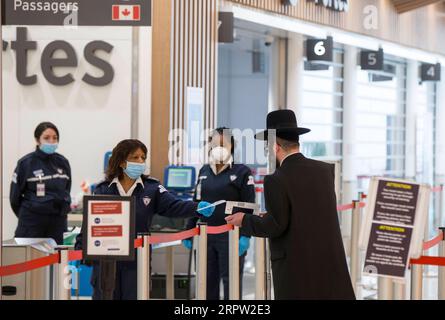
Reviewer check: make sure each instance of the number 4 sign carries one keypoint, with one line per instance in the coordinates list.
(430, 72)
(320, 49)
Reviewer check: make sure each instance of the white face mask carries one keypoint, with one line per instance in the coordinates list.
(219, 155)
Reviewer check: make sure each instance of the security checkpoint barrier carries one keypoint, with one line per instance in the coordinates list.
(386, 288)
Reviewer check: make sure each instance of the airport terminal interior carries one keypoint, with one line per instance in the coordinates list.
(365, 76)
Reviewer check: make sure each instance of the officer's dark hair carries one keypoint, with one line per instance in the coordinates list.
(120, 154)
(226, 133)
(42, 127)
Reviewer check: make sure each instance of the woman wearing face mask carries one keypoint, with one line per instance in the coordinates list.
(222, 179)
(125, 177)
(40, 188)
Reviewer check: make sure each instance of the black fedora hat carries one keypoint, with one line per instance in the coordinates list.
(284, 122)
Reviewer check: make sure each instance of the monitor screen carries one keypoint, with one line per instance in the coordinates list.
(180, 178)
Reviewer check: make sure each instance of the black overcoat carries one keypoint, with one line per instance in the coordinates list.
(307, 253)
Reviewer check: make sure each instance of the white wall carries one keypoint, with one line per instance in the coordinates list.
(91, 120)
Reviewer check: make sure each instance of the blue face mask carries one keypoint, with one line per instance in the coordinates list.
(135, 170)
(49, 148)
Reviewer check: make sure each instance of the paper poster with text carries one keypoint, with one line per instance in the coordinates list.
(393, 231)
(109, 227)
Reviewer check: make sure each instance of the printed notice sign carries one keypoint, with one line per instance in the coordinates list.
(109, 228)
(393, 231)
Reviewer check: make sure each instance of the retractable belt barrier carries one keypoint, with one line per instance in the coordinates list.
(77, 255)
(158, 239)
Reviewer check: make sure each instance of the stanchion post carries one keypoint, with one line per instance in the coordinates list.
(201, 273)
(385, 288)
(355, 253)
(441, 273)
(416, 282)
(441, 205)
(260, 269)
(62, 276)
(234, 271)
(143, 273)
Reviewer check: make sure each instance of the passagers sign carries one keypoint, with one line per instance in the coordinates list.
(109, 224)
(77, 12)
(394, 226)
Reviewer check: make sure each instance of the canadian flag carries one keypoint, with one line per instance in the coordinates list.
(127, 13)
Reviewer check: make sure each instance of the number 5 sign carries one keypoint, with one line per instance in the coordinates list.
(372, 60)
(320, 49)
(430, 72)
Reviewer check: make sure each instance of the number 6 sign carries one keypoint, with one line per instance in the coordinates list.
(320, 49)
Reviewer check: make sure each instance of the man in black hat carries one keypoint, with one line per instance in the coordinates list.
(307, 253)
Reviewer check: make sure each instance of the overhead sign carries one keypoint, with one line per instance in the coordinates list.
(320, 49)
(336, 5)
(431, 72)
(22, 46)
(77, 12)
(394, 226)
(226, 27)
(372, 60)
(109, 228)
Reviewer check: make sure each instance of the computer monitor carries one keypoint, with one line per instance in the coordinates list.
(180, 178)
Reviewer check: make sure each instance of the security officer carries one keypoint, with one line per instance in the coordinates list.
(40, 188)
(222, 179)
(125, 177)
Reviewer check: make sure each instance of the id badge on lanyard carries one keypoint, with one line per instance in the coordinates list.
(40, 189)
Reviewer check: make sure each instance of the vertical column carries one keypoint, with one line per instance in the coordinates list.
(411, 106)
(441, 280)
(295, 73)
(355, 251)
(440, 142)
(385, 288)
(349, 137)
(1, 153)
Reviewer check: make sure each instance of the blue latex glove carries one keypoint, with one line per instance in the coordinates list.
(205, 212)
(244, 244)
(188, 244)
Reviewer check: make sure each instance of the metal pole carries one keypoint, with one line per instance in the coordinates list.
(416, 282)
(201, 288)
(441, 205)
(1, 149)
(144, 268)
(170, 286)
(260, 269)
(385, 289)
(399, 291)
(63, 276)
(355, 252)
(268, 273)
(441, 280)
(234, 271)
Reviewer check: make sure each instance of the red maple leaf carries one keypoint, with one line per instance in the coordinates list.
(126, 12)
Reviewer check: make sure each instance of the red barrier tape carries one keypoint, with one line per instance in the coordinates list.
(29, 265)
(437, 189)
(345, 207)
(174, 237)
(75, 255)
(433, 242)
(220, 229)
(430, 261)
(138, 243)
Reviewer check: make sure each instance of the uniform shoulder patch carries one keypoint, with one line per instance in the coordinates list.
(251, 181)
(14, 178)
(162, 189)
